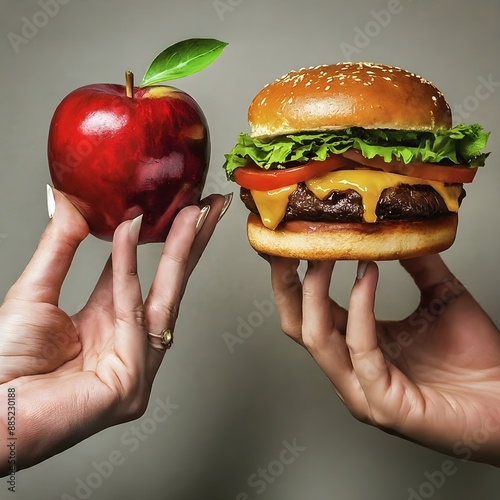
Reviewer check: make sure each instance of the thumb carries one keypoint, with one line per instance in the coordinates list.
(429, 273)
(435, 281)
(43, 277)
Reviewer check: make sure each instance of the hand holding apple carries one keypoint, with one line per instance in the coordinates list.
(118, 151)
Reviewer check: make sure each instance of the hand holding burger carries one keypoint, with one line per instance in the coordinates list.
(432, 377)
(353, 161)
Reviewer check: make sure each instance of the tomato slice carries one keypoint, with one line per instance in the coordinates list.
(430, 171)
(253, 177)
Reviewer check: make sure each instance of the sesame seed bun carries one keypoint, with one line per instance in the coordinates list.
(346, 95)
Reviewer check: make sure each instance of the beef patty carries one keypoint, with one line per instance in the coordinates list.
(403, 202)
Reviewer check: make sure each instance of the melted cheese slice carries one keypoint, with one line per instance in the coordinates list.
(272, 204)
(368, 183)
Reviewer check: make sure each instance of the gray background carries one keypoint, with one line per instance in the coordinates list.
(236, 409)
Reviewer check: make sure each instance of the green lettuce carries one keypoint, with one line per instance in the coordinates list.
(460, 145)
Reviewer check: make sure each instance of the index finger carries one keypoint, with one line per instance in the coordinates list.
(287, 289)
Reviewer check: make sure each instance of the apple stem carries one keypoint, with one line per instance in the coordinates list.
(129, 85)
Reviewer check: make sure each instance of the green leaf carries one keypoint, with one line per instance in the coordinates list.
(182, 59)
(460, 145)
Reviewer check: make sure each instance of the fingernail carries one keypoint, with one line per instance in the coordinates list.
(228, 198)
(135, 228)
(202, 217)
(362, 265)
(51, 202)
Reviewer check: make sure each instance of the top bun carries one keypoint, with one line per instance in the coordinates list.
(345, 95)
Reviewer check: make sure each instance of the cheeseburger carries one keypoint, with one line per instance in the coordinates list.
(353, 161)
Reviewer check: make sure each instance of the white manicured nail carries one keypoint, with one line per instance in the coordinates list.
(228, 198)
(51, 202)
(202, 217)
(135, 228)
(362, 265)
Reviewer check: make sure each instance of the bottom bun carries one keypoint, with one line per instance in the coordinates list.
(353, 241)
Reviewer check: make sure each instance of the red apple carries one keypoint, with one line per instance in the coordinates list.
(116, 156)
